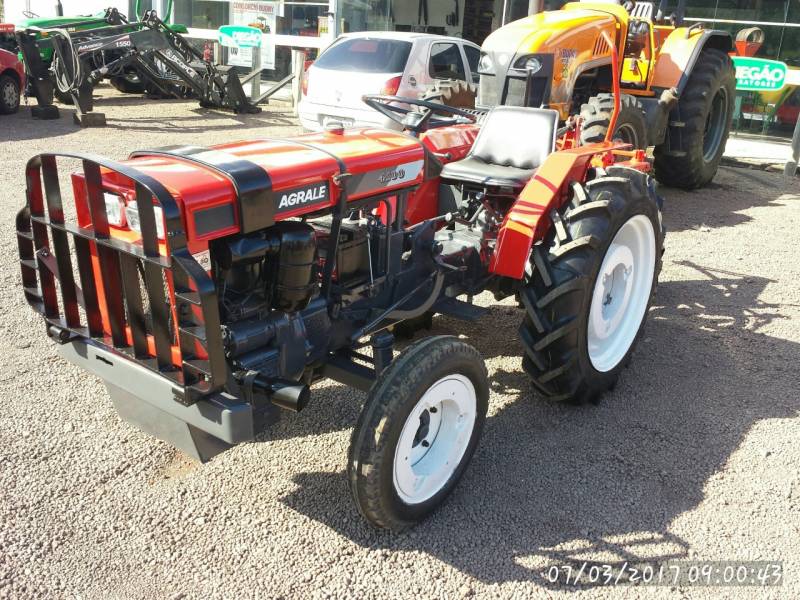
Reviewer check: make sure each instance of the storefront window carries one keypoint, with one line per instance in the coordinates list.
(701, 9)
(790, 46)
(142, 5)
(739, 10)
(760, 113)
(747, 10)
(203, 14)
(365, 15)
(516, 9)
(298, 18)
(304, 18)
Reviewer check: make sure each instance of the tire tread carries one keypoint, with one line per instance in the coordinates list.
(556, 301)
(370, 443)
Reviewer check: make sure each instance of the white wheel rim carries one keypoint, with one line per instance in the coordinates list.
(10, 95)
(621, 293)
(434, 438)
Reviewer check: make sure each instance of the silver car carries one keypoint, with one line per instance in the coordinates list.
(380, 62)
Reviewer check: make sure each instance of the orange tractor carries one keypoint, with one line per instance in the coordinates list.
(677, 82)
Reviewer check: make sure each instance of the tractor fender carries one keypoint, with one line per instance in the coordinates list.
(680, 52)
(656, 115)
(529, 217)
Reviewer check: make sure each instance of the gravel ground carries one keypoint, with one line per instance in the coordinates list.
(693, 456)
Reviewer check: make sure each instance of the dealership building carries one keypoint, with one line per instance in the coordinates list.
(313, 24)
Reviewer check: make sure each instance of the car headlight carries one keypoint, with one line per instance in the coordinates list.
(485, 64)
(114, 209)
(132, 213)
(529, 63)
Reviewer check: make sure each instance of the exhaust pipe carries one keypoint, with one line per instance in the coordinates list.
(288, 395)
(59, 334)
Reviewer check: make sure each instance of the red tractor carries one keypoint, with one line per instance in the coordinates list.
(206, 286)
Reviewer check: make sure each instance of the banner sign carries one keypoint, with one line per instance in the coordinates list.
(239, 36)
(254, 15)
(759, 74)
(793, 77)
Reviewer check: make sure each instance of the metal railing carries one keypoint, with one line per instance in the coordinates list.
(179, 336)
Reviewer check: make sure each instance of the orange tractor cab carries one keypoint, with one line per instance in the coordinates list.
(677, 81)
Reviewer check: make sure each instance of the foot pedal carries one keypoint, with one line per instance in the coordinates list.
(458, 309)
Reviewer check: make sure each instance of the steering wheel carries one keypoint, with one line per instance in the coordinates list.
(413, 120)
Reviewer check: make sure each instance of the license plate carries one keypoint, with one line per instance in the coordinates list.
(329, 119)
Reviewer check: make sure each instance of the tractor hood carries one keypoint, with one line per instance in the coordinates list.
(560, 45)
(547, 32)
(242, 187)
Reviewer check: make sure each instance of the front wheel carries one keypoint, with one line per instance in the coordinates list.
(631, 126)
(417, 431)
(589, 286)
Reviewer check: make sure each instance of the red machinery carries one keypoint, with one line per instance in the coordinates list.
(207, 285)
(12, 72)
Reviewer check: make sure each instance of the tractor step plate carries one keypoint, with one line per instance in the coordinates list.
(458, 309)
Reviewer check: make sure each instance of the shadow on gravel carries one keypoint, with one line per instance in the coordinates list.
(22, 126)
(720, 204)
(558, 485)
(335, 406)
(226, 121)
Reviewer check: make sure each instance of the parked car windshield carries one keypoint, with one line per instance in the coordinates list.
(366, 55)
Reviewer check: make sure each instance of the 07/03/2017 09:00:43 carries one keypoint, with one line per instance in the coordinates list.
(764, 573)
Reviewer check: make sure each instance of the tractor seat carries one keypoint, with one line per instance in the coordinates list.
(512, 143)
(643, 10)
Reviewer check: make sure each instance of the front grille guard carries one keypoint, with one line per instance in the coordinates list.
(191, 354)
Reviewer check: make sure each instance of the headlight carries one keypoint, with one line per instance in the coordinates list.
(529, 63)
(485, 64)
(132, 212)
(114, 209)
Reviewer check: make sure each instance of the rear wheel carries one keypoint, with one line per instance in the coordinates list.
(590, 284)
(9, 95)
(63, 97)
(631, 127)
(690, 155)
(129, 82)
(417, 431)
